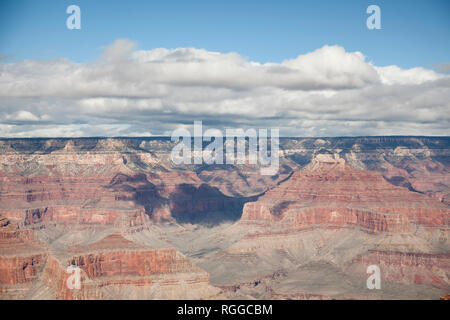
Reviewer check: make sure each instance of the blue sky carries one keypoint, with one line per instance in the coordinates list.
(414, 33)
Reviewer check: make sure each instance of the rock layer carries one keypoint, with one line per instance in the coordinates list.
(335, 205)
(112, 264)
(328, 192)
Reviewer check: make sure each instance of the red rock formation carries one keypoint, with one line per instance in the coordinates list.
(21, 257)
(115, 255)
(110, 198)
(406, 267)
(329, 192)
(129, 184)
(115, 262)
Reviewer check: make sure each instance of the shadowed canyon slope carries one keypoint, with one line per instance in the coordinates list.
(140, 227)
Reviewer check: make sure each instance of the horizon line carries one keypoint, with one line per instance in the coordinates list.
(192, 137)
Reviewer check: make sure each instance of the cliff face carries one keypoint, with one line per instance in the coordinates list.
(113, 264)
(107, 194)
(115, 255)
(406, 267)
(104, 205)
(21, 258)
(87, 180)
(328, 199)
(329, 192)
(16, 269)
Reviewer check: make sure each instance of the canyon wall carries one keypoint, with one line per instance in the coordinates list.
(79, 201)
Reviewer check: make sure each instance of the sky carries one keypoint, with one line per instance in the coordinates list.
(309, 68)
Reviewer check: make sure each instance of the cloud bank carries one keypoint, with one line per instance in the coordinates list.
(129, 92)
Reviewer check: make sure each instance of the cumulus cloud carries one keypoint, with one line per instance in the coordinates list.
(395, 75)
(326, 92)
(23, 115)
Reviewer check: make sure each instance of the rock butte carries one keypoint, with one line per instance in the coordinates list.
(140, 227)
(328, 192)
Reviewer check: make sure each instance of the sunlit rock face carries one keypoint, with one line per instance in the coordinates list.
(329, 192)
(139, 226)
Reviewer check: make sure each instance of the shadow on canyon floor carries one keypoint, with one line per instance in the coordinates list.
(205, 205)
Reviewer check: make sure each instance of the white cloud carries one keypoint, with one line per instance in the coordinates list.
(121, 49)
(394, 75)
(135, 92)
(22, 115)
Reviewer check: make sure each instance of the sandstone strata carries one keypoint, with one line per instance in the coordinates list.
(328, 192)
(106, 205)
(112, 265)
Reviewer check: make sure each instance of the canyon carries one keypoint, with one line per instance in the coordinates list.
(140, 227)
